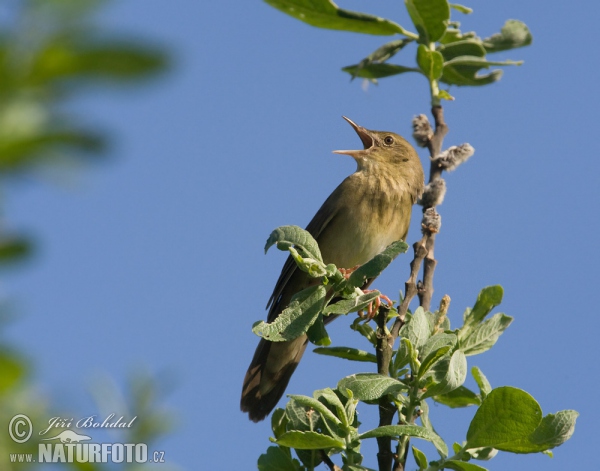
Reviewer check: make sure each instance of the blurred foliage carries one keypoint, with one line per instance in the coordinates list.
(52, 51)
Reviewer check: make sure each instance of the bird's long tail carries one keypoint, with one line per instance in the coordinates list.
(269, 374)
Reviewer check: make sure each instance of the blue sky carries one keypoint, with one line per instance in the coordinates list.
(154, 259)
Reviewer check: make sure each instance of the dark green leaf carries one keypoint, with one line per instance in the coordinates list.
(279, 422)
(467, 47)
(385, 52)
(295, 320)
(326, 14)
(317, 334)
(13, 249)
(469, 76)
(375, 71)
(410, 430)
(288, 236)
(377, 264)
(308, 441)
(347, 353)
(430, 62)
(462, 466)
(429, 17)
(513, 34)
(277, 459)
(370, 386)
(459, 397)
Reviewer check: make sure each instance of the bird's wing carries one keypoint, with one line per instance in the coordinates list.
(315, 227)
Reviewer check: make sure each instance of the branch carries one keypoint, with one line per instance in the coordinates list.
(330, 464)
(435, 173)
(387, 410)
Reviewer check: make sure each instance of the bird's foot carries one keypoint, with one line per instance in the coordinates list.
(373, 308)
(348, 271)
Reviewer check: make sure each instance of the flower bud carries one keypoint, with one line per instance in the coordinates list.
(422, 132)
(453, 156)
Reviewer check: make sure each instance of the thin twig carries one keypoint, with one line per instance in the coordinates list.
(330, 464)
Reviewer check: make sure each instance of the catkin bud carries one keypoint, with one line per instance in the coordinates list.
(434, 193)
(453, 156)
(431, 222)
(422, 132)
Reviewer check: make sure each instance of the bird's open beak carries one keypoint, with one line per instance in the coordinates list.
(365, 136)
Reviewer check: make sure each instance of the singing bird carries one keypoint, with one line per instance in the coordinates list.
(368, 211)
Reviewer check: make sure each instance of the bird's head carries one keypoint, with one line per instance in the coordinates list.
(383, 151)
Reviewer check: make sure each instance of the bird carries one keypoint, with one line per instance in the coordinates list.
(369, 210)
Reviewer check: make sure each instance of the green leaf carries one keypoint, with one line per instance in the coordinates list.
(432, 358)
(326, 14)
(347, 353)
(435, 342)
(277, 459)
(288, 236)
(295, 320)
(469, 76)
(385, 52)
(429, 17)
(13, 249)
(375, 71)
(329, 397)
(479, 62)
(484, 385)
(468, 47)
(279, 422)
(370, 386)
(313, 403)
(462, 466)
(513, 34)
(484, 336)
(308, 441)
(555, 429)
(461, 8)
(459, 397)
(420, 458)
(346, 306)
(317, 334)
(488, 299)
(363, 328)
(13, 368)
(511, 420)
(377, 264)
(409, 430)
(417, 330)
(18, 153)
(430, 62)
(448, 375)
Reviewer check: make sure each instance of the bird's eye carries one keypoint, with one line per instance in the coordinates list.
(388, 140)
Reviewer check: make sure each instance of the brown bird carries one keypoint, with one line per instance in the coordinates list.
(368, 211)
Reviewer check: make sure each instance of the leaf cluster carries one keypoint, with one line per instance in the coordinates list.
(430, 363)
(444, 53)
